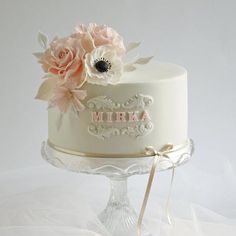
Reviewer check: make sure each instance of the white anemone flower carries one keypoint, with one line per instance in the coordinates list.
(103, 66)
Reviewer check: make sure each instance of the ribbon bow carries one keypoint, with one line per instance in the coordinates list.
(151, 151)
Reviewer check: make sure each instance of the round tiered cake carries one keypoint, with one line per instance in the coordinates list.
(101, 106)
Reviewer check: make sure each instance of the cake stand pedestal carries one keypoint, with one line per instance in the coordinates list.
(119, 217)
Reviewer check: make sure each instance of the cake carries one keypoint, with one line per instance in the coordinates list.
(103, 105)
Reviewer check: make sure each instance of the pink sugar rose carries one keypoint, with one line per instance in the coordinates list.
(102, 35)
(64, 58)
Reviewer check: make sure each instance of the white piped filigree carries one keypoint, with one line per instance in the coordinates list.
(138, 130)
(103, 131)
(138, 101)
(102, 103)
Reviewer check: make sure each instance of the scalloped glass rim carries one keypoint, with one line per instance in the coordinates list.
(113, 166)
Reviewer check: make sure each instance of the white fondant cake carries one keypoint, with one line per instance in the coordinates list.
(148, 107)
(103, 104)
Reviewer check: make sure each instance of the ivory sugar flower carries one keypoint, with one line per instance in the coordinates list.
(103, 66)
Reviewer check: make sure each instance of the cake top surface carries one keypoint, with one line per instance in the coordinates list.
(153, 72)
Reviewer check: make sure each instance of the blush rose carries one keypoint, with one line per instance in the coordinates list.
(64, 58)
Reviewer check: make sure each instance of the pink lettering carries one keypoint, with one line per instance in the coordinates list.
(145, 116)
(109, 116)
(120, 116)
(97, 116)
(133, 116)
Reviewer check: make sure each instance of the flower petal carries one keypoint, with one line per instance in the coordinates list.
(129, 67)
(78, 106)
(38, 55)
(79, 94)
(143, 60)
(132, 46)
(43, 40)
(45, 91)
(87, 43)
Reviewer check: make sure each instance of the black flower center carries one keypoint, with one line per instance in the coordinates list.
(102, 65)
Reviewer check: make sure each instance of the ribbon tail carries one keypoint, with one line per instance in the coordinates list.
(167, 208)
(146, 196)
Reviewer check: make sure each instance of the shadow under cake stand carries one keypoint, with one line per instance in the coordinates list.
(119, 217)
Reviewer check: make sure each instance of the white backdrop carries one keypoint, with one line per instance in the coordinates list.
(199, 34)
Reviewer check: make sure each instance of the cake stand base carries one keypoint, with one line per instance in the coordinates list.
(119, 217)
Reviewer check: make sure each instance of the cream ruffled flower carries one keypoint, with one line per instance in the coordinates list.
(102, 35)
(103, 66)
(68, 96)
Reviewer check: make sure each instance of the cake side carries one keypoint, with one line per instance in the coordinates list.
(153, 72)
(126, 117)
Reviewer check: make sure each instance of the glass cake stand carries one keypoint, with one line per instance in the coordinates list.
(119, 217)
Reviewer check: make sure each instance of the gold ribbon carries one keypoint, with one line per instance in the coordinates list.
(96, 155)
(162, 153)
(112, 155)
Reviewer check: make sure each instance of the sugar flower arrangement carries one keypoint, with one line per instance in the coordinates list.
(92, 54)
